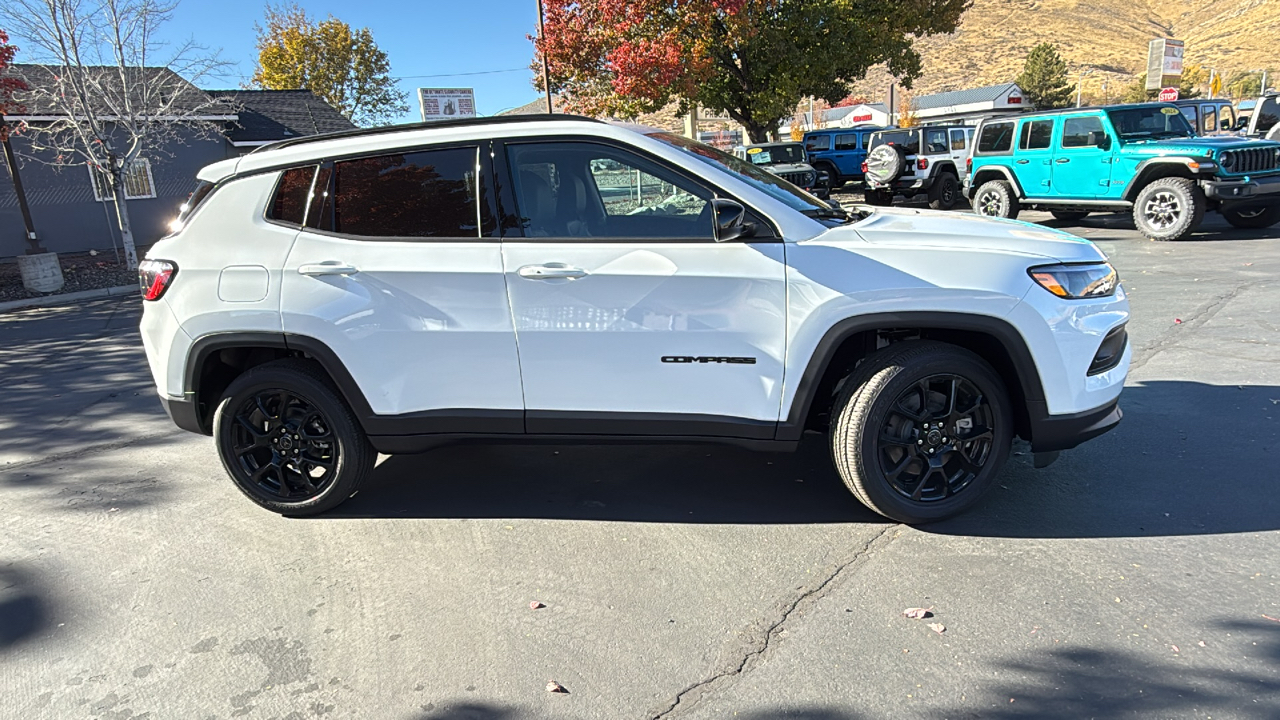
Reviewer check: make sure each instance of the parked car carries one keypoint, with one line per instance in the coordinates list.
(388, 290)
(917, 161)
(1210, 116)
(788, 161)
(1145, 159)
(1261, 118)
(839, 153)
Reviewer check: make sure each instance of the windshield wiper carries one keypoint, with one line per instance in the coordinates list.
(833, 213)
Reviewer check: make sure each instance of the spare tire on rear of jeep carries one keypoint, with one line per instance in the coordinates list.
(885, 164)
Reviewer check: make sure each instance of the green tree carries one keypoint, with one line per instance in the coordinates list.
(1193, 76)
(341, 65)
(752, 59)
(1044, 78)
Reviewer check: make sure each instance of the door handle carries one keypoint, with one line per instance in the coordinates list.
(1022, 162)
(328, 267)
(1062, 160)
(551, 271)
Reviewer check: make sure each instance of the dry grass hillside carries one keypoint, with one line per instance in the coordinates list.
(1108, 36)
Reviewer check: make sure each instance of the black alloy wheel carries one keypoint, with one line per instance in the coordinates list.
(284, 445)
(936, 438)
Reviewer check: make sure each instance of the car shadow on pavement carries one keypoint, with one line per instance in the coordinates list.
(1107, 226)
(23, 611)
(1085, 682)
(1188, 459)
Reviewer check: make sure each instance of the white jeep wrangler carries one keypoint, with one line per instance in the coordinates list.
(328, 298)
(917, 161)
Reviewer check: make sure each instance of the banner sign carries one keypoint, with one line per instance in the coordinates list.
(446, 103)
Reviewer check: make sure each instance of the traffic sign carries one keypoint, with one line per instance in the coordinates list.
(1169, 94)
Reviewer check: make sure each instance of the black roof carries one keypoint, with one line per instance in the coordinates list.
(267, 115)
(407, 127)
(165, 89)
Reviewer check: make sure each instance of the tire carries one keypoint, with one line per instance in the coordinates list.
(870, 408)
(944, 192)
(996, 198)
(244, 420)
(885, 164)
(1170, 208)
(1069, 215)
(834, 183)
(878, 198)
(1252, 218)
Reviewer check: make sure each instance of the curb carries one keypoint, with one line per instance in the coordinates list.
(66, 298)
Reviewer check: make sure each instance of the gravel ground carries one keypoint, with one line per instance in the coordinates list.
(80, 271)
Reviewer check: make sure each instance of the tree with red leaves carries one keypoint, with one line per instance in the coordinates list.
(753, 59)
(8, 85)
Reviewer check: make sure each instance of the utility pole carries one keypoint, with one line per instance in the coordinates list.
(546, 68)
(12, 161)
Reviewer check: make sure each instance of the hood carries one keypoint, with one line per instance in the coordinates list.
(1191, 146)
(936, 229)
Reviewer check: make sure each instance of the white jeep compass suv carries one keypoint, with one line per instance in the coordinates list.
(327, 298)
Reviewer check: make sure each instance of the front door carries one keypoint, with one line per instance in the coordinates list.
(398, 270)
(630, 318)
(1082, 168)
(1035, 157)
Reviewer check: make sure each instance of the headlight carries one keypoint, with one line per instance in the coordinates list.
(1227, 161)
(1075, 282)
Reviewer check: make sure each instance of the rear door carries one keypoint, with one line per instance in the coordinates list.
(630, 317)
(848, 157)
(1035, 156)
(1082, 168)
(399, 272)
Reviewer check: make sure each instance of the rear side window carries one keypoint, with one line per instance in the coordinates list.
(1036, 135)
(817, 142)
(846, 142)
(959, 140)
(289, 204)
(1081, 132)
(430, 193)
(193, 201)
(996, 137)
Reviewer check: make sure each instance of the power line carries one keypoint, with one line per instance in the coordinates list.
(481, 72)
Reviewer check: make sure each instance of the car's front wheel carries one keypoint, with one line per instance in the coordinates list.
(920, 429)
(1255, 217)
(996, 198)
(1169, 208)
(289, 441)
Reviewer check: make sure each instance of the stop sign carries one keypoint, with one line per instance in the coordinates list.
(1169, 94)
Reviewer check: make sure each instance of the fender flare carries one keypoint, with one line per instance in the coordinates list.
(792, 426)
(1142, 173)
(1008, 175)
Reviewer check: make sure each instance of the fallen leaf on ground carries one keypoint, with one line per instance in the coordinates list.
(1175, 648)
(938, 627)
(535, 605)
(1201, 644)
(1177, 321)
(1271, 618)
(917, 613)
(553, 686)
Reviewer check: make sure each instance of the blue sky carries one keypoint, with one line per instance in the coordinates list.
(428, 37)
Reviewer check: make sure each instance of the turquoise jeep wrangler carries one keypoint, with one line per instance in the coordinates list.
(1145, 159)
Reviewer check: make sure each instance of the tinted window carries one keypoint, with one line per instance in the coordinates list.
(289, 204)
(1036, 135)
(817, 142)
(1081, 132)
(996, 137)
(193, 201)
(958, 141)
(1227, 119)
(586, 190)
(430, 193)
(846, 142)
(1268, 112)
(908, 139)
(936, 140)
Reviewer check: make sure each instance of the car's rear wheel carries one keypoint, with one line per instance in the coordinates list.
(1069, 215)
(1257, 216)
(1169, 208)
(920, 430)
(288, 441)
(996, 198)
(878, 197)
(944, 192)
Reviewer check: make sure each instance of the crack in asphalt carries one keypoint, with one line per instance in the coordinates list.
(1171, 337)
(689, 696)
(88, 450)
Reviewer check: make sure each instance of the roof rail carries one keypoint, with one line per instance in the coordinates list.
(408, 127)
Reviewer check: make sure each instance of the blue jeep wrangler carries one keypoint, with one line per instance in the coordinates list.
(1145, 159)
(838, 152)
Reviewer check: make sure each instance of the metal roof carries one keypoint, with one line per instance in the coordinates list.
(991, 93)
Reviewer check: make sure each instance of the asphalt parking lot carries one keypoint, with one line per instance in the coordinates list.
(1136, 577)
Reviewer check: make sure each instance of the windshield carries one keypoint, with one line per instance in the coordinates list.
(776, 154)
(762, 180)
(1150, 122)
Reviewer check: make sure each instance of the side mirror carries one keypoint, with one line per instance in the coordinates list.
(1104, 143)
(730, 219)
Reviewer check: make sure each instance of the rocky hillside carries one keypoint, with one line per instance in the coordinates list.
(1108, 36)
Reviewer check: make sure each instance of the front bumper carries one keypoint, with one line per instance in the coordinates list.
(1232, 190)
(1052, 433)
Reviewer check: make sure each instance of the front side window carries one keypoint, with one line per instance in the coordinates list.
(1227, 118)
(1209, 118)
(588, 190)
(936, 141)
(1268, 112)
(1036, 135)
(416, 194)
(817, 142)
(1082, 132)
(996, 137)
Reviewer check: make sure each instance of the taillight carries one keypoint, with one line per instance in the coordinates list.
(968, 165)
(923, 163)
(154, 277)
(864, 167)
